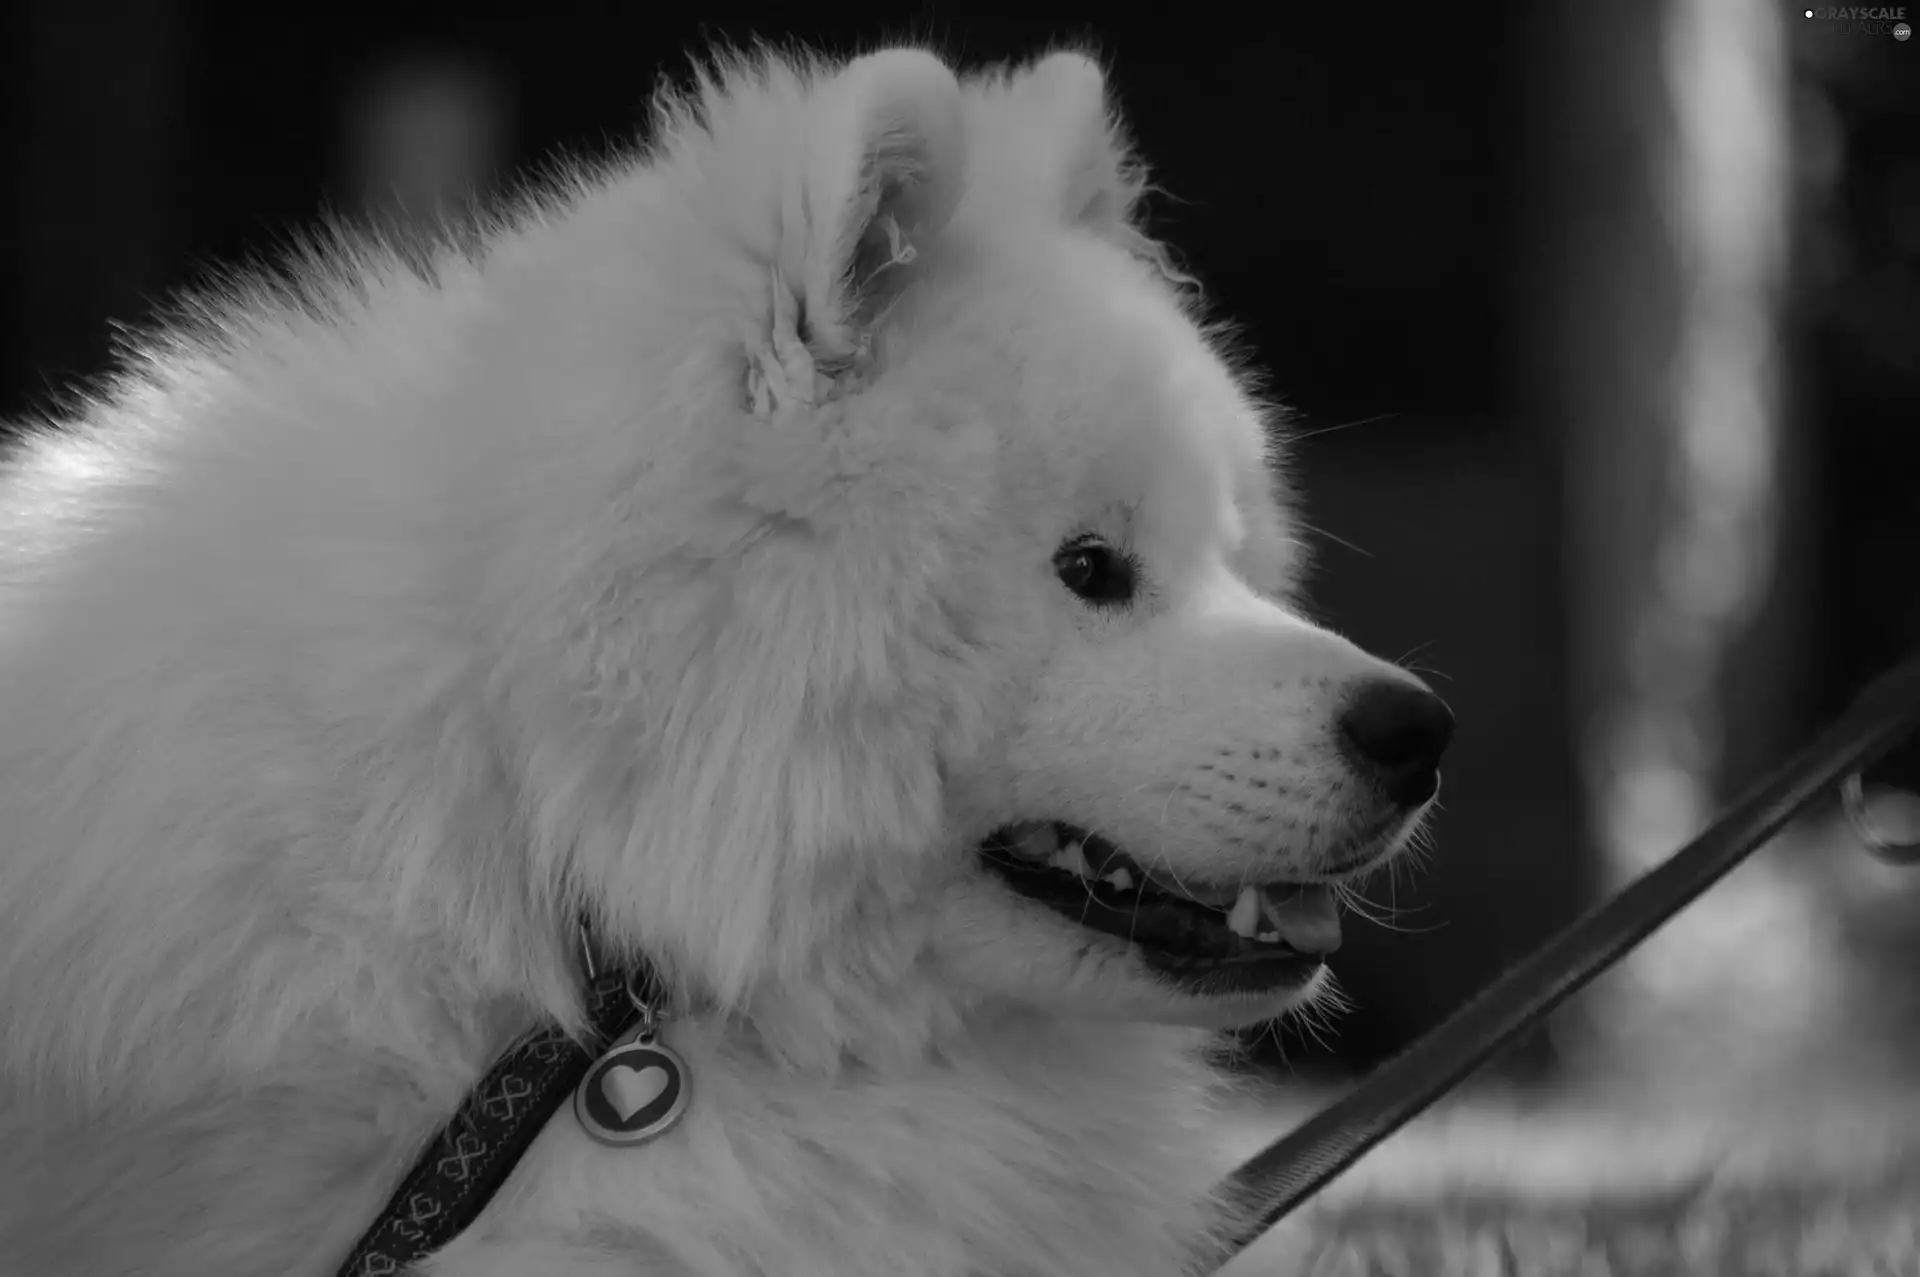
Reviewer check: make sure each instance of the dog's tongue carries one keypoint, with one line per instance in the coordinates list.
(1306, 917)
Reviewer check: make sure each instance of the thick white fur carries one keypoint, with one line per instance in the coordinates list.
(680, 557)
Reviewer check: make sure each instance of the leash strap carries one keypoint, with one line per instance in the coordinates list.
(1297, 1165)
(471, 1157)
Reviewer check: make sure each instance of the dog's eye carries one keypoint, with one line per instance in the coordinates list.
(1096, 572)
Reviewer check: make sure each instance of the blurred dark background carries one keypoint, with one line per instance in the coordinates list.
(1606, 376)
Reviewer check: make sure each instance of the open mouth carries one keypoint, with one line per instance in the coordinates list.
(1245, 938)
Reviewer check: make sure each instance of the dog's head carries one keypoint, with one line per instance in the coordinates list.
(927, 619)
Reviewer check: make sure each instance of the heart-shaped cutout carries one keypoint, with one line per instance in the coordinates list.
(628, 1090)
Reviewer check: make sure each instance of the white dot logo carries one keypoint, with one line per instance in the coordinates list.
(1901, 31)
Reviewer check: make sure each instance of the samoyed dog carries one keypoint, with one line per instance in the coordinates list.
(826, 556)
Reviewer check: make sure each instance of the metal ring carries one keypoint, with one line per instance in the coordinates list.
(1853, 800)
(586, 952)
(643, 990)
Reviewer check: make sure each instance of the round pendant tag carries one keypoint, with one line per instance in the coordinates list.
(631, 1094)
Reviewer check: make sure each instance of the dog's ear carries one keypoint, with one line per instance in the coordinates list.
(883, 174)
(1066, 146)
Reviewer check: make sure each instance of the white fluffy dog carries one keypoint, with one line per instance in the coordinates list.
(824, 554)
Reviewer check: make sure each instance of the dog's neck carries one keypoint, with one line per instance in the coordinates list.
(334, 1091)
(338, 1106)
(976, 1147)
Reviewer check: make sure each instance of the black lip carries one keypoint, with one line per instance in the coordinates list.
(1185, 940)
(1254, 973)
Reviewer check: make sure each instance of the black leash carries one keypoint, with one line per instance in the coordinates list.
(1297, 1165)
(471, 1157)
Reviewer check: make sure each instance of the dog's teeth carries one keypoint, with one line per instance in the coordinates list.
(1120, 879)
(1072, 859)
(1246, 913)
(1267, 937)
(1037, 841)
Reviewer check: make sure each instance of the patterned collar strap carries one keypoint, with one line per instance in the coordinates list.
(473, 1154)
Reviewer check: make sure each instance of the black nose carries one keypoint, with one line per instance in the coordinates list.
(1396, 732)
